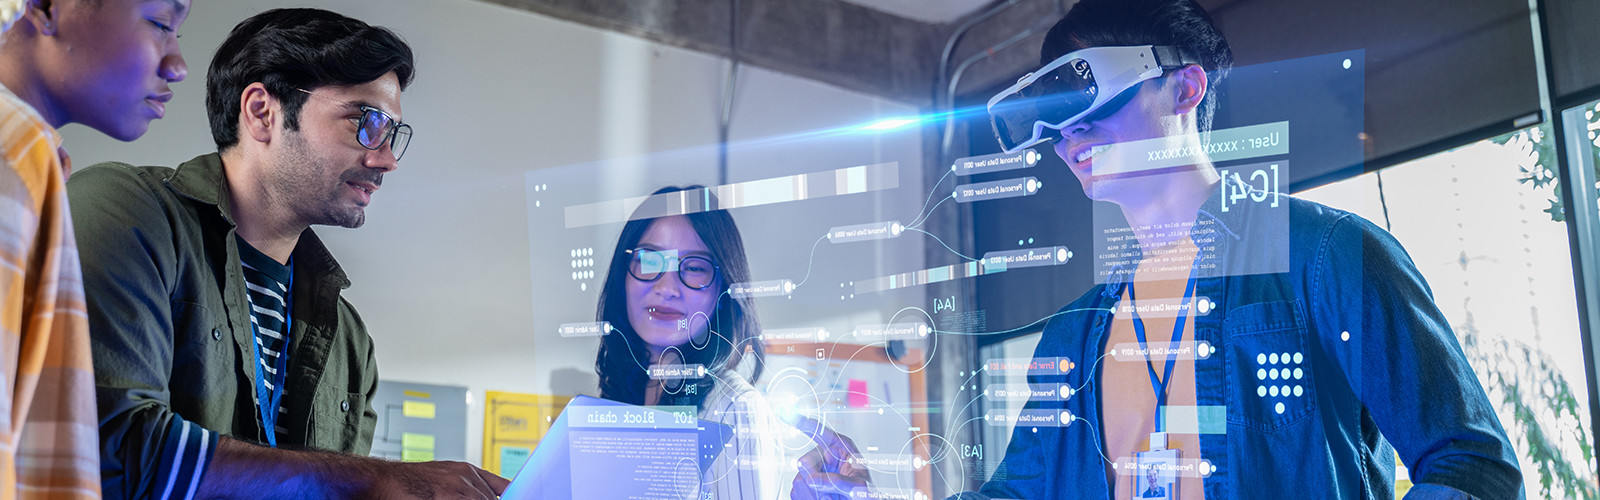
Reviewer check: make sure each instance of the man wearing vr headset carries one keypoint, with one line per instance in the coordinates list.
(1362, 363)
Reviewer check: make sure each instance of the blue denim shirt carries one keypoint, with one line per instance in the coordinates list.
(1397, 381)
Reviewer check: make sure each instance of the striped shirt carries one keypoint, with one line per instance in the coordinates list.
(751, 464)
(268, 283)
(49, 434)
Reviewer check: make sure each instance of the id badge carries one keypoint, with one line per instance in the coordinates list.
(1157, 474)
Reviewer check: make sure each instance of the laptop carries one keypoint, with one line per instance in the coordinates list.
(604, 449)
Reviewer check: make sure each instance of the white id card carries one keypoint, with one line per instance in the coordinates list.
(1157, 474)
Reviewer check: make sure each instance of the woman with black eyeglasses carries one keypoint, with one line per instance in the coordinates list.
(666, 300)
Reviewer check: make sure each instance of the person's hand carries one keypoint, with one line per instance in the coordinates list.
(828, 471)
(439, 480)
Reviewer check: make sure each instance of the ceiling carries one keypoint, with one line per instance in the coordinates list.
(927, 11)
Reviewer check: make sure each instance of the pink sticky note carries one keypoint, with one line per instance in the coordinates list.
(858, 394)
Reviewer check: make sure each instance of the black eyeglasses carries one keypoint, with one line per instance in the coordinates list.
(376, 127)
(694, 271)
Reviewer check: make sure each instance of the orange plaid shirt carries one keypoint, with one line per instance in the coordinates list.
(49, 435)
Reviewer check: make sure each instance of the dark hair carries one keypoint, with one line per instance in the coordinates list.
(1180, 23)
(623, 357)
(286, 49)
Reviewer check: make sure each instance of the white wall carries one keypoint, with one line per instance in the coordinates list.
(442, 268)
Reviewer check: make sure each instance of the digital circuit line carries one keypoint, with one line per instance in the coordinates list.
(934, 189)
(1000, 332)
(941, 242)
(823, 420)
(1088, 379)
(1096, 435)
(969, 402)
(1029, 325)
(964, 424)
(930, 211)
(811, 261)
(936, 459)
(940, 473)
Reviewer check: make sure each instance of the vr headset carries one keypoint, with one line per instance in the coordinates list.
(1085, 84)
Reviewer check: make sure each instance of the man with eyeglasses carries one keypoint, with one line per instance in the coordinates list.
(226, 362)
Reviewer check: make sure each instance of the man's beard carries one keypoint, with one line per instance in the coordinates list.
(298, 173)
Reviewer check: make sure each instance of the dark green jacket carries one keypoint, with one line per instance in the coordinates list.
(170, 325)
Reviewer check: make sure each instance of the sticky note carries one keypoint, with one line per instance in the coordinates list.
(418, 409)
(416, 455)
(858, 394)
(413, 441)
(512, 459)
(417, 394)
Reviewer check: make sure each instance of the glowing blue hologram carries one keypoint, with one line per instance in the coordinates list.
(589, 329)
(996, 162)
(773, 190)
(1003, 367)
(881, 493)
(1181, 467)
(771, 288)
(652, 262)
(1032, 417)
(1022, 392)
(1028, 257)
(794, 335)
(633, 417)
(1009, 188)
(676, 371)
(927, 276)
(864, 232)
(1229, 144)
(578, 458)
(1226, 250)
(1137, 352)
(886, 462)
(854, 180)
(1169, 307)
(898, 331)
(1264, 185)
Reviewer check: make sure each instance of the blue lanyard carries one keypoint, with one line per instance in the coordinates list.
(269, 404)
(1156, 383)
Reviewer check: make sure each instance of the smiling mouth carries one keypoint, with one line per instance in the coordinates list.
(663, 314)
(1090, 152)
(363, 188)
